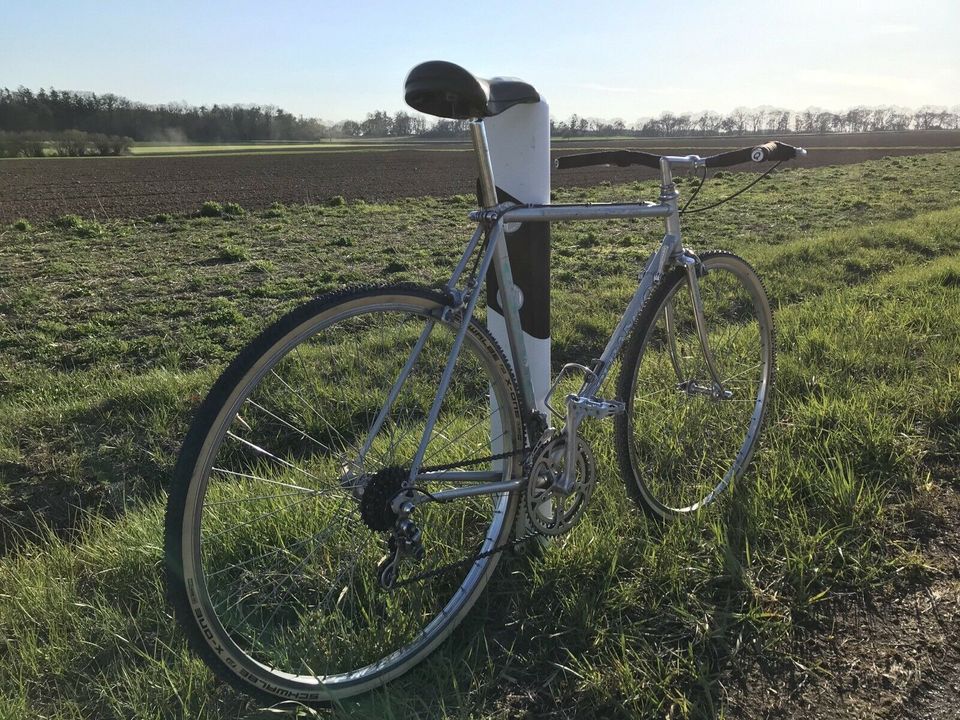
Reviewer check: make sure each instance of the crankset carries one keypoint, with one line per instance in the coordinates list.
(550, 510)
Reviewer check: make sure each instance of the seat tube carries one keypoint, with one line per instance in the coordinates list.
(510, 304)
(488, 188)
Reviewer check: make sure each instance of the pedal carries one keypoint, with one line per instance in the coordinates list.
(595, 407)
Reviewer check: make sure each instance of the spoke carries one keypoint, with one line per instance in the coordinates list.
(476, 447)
(307, 373)
(257, 518)
(730, 339)
(261, 556)
(361, 455)
(472, 427)
(405, 372)
(743, 372)
(316, 537)
(273, 594)
(300, 488)
(251, 499)
(270, 455)
(300, 566)
(334, 585)
(311, 408)
(300, 432)
(643, 398)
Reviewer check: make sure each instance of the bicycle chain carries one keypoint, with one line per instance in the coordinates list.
(426, 575)
(467, 463)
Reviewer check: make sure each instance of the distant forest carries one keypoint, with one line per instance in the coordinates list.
(56, 111)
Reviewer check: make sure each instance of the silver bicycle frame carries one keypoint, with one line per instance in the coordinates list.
(491, 220)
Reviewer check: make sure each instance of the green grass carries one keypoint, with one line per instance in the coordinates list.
(110, 334)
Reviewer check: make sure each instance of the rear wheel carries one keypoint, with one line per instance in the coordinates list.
(682, 440)
(280, 510)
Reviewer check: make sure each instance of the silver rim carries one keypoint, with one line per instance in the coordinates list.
(686, 446)
(279, 567)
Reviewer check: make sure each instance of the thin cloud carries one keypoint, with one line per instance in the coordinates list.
(865, 81)
(893, 29)
(606, 88)
(631, 90)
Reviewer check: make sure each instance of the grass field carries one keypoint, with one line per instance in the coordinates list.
(111, 332)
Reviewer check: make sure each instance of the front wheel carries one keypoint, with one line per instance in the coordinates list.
(281, 508)
(682, 438)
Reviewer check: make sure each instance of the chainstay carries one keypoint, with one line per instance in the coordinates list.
(435, 572)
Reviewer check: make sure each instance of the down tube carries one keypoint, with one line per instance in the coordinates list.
(649, 276)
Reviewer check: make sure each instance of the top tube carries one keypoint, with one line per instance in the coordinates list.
(592, 211)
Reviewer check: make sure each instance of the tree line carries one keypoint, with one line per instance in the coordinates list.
(23, 110)
(69, 143)
(768, 121)
(49, 112)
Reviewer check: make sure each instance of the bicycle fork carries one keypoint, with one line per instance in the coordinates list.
(694, 269)
(584, 405)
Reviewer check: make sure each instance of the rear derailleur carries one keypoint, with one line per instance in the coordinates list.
(404, 542)
(385, 506)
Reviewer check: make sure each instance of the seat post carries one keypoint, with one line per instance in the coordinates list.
(488, 188)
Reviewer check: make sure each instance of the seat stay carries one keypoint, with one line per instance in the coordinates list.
(467, 313)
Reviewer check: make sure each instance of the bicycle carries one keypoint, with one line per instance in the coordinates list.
(380, 419)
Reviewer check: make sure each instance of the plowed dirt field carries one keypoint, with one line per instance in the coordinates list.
(140, 186)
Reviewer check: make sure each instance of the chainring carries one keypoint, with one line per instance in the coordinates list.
(548, 511)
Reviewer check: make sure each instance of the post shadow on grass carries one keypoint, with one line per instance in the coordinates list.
(733, 589)
(471, 663)
(507, 648)
(106, 478)
(507, 645)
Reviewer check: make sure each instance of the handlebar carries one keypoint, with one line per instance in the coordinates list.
(622, 158)
(772, 151)
(769, 152)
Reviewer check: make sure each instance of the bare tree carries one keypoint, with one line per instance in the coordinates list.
(756, 119)
(738, 120)
(707, 122)
(377, 124)
(780, 120)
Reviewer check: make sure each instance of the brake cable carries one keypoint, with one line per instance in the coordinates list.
(726, 199)
(703, 179)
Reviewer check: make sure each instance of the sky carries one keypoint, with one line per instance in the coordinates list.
(338, 60)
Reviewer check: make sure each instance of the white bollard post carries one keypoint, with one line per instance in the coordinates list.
(519, 140)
